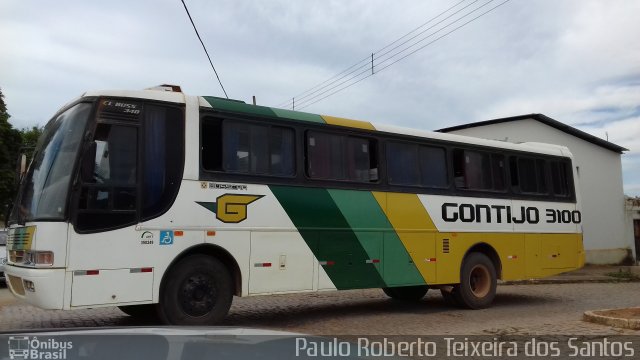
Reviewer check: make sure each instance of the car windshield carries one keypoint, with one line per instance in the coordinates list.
(43, 191)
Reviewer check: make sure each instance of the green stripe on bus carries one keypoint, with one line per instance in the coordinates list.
(377, 236)
(241, 107)
(238, 107)
(329, 236)
(297, 115)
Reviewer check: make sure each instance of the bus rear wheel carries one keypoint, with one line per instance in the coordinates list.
(478, 282)
(407, 293)
(197, 291)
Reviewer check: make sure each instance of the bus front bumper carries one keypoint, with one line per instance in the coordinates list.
(43, 288)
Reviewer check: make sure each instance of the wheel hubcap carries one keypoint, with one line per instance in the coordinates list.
(480, 281)
(198, 294)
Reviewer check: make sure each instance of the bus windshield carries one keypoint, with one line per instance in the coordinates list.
(43, 191)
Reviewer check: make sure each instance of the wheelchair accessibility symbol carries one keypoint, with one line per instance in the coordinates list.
(166, 237)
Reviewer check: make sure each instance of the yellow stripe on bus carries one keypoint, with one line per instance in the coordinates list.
(348, 122)
(414, 227)
(522, 255)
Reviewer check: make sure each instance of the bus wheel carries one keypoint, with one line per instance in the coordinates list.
(146, 312)
(477, 282)
(407, 293)
(197, 291)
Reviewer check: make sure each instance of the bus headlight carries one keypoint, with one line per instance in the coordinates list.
(38, 258)
(29, 285)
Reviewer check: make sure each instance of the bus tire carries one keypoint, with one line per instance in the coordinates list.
(478, 282)
(145, 312)
(198, 290)
(406, 293)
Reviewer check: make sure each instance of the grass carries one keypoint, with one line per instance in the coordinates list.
(626, 275)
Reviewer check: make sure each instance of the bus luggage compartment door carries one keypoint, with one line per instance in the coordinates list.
(99, 287)
(559, 251)
(280, 262)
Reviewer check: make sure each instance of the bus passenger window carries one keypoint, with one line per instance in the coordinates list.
(402, 164)
(358, 153)
(325, 156)
(498, 171)
(236, 149)
(281, 151)
(532, 176)
(560, 178)
(340, 157)
(211, 144)
(433, 167)
(244, 148)
(475, 170)
(416, 165)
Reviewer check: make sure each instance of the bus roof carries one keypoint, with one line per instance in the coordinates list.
(240, 107)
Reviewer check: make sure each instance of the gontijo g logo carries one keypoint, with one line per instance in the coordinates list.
(24, 347)
(230, 208)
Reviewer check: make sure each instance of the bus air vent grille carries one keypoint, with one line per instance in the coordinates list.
(445, 246)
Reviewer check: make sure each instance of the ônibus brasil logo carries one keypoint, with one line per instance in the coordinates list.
(25, 347)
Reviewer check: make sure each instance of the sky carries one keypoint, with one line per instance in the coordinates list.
(577, 61)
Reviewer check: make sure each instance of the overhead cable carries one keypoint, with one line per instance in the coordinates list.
(394, 58)
(205, 48)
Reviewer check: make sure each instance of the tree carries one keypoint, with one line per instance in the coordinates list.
(10, 142)
(29, 140)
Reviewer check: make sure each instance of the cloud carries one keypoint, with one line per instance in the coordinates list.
(577, 61)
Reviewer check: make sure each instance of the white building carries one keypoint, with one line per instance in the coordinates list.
(605, 224)
(632, 207)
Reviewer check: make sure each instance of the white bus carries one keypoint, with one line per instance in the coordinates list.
(166, 204)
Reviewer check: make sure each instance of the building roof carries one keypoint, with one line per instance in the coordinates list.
(547, 121)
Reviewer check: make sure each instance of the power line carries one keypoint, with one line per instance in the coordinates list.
(403, 50)
(299, 96)
(337, 91)
(366, 60)
(434, 25)
(422, 47)
(424, 24)
(372, 65)
(205, 48)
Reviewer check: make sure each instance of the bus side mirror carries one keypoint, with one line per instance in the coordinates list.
(88, 165)
(23, 165)
(21, 168)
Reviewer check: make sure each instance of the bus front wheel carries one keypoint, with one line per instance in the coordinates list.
(407, 293)
(478, 282)
(197, 291)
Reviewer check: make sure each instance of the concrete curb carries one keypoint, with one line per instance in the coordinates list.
(591, 316)
(565, 281)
